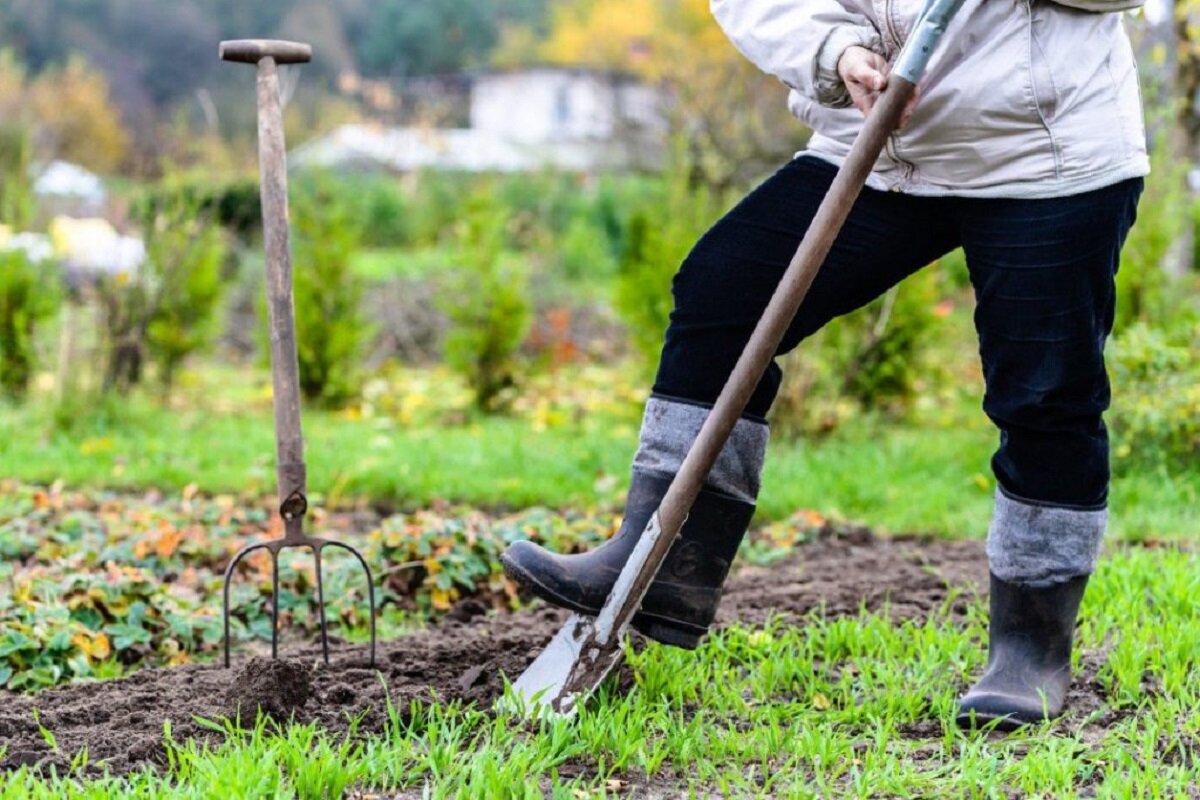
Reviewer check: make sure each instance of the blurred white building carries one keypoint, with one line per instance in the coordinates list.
(574, 120)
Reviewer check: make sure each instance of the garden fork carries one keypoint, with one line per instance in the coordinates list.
(289, 439)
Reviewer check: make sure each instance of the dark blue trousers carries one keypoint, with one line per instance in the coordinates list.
(1043, 272)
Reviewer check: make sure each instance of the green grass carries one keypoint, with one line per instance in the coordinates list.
(929, 477)
(851, 707)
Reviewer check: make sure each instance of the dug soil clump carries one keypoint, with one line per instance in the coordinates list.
(276, 688)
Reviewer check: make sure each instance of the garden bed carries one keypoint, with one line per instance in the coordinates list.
(464, 656)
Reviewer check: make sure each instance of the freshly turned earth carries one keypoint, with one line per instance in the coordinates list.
(278, 689)
(461, 658)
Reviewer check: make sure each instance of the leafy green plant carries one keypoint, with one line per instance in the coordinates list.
(658, 236)
(486, 298)
(331, 329)
(16, 155)
(869, 360)
(438, 560)
(98, 582)
(164, 310)
(30, 293)
(184, 256)
(1163, 217)
(1156, 393)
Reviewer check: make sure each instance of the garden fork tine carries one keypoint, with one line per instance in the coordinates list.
(274, 546)
(285, 373)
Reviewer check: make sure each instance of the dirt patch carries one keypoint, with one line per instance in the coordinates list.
(121, 722)
(278, 689)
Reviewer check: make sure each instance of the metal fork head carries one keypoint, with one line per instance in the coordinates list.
(294, 537)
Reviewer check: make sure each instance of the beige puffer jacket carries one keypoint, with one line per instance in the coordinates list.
(1025, 98)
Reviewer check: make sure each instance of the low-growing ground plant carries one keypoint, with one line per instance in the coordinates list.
(30, 293)
(96, 583)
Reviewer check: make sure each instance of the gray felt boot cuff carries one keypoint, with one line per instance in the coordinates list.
(1040, 545)
(668, 430)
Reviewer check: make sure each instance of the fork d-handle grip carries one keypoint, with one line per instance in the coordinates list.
(768, 334)
(285, 371)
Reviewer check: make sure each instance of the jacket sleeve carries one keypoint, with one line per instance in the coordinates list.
(1101, 6)
(798, 41)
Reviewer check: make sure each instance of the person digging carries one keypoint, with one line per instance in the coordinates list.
(1027, 149)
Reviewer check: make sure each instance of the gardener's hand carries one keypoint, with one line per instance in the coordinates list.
(865, 74)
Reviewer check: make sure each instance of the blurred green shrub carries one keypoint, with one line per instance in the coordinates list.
(1155, 416)
(234, 205)
(870, 360)
(16, 189)
(30, 293)
(385, 213)
(658, 235)
(185, 253)
(486, 298)
(166, 309)
(1163, 216)
(331, 329)
(585, 251)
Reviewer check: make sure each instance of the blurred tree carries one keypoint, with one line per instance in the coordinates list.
(735, 118)
(608, 34)
(1186, 89)
(417, 37)
(76, 119)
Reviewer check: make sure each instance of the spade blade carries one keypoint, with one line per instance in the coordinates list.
(568, 670)
(584, 650)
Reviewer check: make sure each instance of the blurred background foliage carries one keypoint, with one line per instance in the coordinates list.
(500, 278)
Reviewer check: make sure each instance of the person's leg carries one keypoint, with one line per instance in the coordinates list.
(1043, 272)
(720, 293)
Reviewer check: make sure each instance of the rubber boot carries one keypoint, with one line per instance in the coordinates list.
(1029, 662)
(680, 605)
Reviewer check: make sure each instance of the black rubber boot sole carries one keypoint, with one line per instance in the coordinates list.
(664, 630)
(1005, 722)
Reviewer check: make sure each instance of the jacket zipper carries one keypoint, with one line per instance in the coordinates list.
(891, 147)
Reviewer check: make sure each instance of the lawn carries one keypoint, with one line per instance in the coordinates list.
(417, 443)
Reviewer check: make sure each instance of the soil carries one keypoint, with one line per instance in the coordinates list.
(463, 657)
(278, 689)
